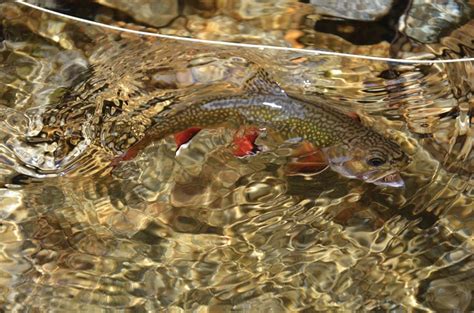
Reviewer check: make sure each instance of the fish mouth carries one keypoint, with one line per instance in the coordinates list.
(389, 179)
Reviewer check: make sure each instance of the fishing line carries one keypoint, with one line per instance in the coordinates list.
(242, 45)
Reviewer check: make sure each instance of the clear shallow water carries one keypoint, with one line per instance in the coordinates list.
(203, 230)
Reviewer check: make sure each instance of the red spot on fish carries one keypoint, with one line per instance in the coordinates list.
(245, 143)
(354, 116)
(185, 136)
(306, 159)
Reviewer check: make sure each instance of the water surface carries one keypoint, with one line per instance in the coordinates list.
(202, 230)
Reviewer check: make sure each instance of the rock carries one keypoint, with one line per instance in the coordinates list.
(360, 10)
(427, 21)
(156, 13)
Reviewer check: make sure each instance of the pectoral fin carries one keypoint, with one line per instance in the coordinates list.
(244, 142)
(306, 159)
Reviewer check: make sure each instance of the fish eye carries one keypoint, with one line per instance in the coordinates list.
(375, 161)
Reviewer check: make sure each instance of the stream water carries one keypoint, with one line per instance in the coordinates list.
(200, 229)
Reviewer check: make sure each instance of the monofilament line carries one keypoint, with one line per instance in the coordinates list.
(243, 45)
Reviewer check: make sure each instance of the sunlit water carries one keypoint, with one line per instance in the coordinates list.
(202, 230)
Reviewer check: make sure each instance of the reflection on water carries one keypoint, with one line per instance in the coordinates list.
(203, 230)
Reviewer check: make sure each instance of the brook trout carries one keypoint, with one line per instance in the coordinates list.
(349, 148)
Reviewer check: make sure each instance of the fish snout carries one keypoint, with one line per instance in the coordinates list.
(391, 179)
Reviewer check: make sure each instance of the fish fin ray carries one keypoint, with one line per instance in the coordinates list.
(185, 136)
(306, 159)
(244, 142)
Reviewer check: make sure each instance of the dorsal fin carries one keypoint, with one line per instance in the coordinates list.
(261, 83)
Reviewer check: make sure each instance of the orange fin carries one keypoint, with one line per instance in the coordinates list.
(180, 139)
(244, 144)
(131, 152)
(306, 159)
(185, 136)
(126, 156)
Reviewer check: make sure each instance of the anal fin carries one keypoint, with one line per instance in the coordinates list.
(185, 136)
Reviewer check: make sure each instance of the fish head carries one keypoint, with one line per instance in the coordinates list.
(371, 158)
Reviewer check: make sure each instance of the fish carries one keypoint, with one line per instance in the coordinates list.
(347, 146)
